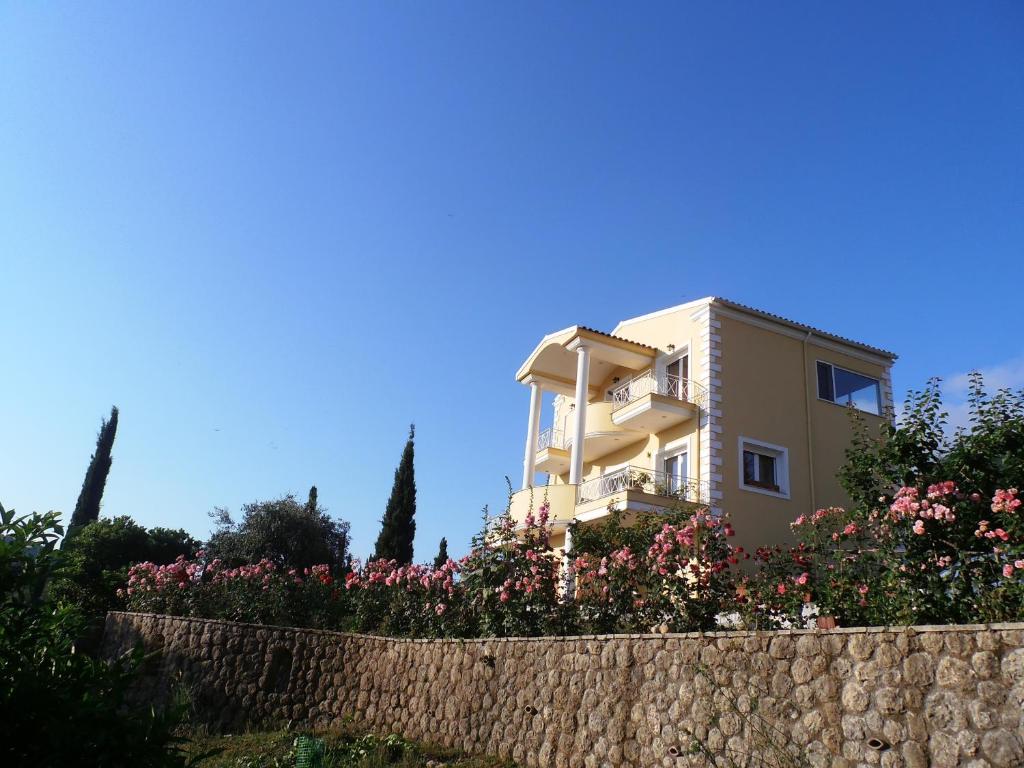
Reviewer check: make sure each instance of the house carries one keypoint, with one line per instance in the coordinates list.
(710, 402)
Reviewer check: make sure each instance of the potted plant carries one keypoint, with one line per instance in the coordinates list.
(638, 480)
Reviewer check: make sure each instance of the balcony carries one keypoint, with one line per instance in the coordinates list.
(552, 452)
(639, 484)
(633, 488)
(561, 501)
(654, 403)
(603, 435)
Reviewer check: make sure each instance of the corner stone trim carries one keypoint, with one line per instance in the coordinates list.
(930, 696)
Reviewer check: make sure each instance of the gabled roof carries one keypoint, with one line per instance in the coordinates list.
(613, 336)
(803, 327)
(554, 359)
(735, 305)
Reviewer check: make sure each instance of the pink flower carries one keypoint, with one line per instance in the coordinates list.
(802, 578)
(919, 527)
(545, 510)
(1008, 571)
(781, 589)
(941, 489)
(1005, 501)
(905, 504)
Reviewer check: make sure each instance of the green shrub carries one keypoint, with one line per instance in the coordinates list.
(95, 562)
(59, 706)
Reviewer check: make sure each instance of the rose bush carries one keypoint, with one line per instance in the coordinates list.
(681, 580)
(414, 600)
(934, 535)
(261, 593)
(511, 579)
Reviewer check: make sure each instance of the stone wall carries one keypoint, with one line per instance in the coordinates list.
(918, 696)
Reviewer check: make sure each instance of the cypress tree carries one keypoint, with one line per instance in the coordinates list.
(442, 554)
(88, 507)
(311, 503)
(398, 527)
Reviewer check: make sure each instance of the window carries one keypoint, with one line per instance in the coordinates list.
(759, 470)
(676, 473)
(764, 468)
(676, 374)
(843, 387)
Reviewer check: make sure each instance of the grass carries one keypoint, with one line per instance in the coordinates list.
(288, 749)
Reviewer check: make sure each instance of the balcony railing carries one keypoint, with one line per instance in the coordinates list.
(647, 383)
(643, 480)
(552, 438)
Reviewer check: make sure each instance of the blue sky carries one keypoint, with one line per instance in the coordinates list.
(275, 234)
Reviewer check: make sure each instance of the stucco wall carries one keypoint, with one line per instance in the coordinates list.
(938, 696)
(768, 392)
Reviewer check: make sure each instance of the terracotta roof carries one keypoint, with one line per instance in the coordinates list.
(617, 338)
(803, 326)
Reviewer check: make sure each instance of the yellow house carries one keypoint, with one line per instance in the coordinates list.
(710, 402)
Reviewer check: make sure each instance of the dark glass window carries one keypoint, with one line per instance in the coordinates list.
(826, 388)
(759, 470)
(838, 385)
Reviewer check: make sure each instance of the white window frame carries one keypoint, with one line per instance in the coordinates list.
(671, 450)
(833, 366)
(677, 447)
(778, 452)
(662, 364)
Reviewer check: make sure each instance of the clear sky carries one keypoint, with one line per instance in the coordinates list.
(276, 233)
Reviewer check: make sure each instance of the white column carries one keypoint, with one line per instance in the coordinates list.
(532, 432)
(568, 582)
(582, 391)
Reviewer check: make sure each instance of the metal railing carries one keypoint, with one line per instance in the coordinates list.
(552, 438)
(646, 481)
(647, 383)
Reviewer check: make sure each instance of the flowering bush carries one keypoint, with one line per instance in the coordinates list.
(922, 555)
(414, 600)
(960, 554)
(934, 535)
(512, 580)
(779, 591)
(679, 576)
(261, 593)
(616, 592)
